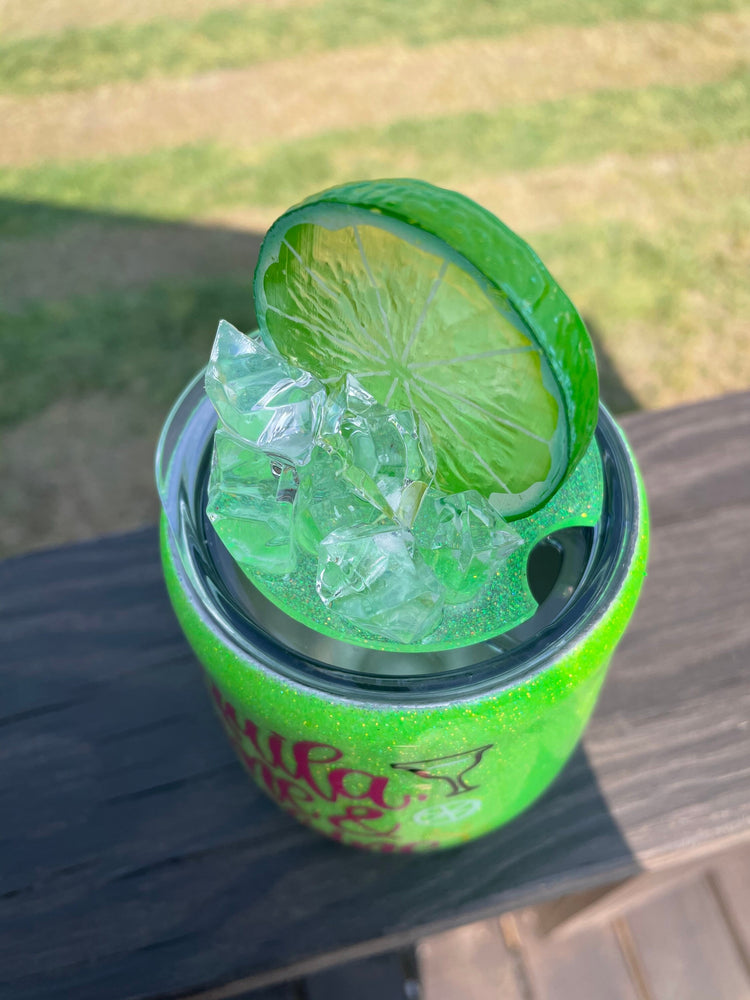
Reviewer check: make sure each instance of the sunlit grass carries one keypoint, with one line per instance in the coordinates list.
(670, 306)
(219, 39)
(636, 199)
(195, 180)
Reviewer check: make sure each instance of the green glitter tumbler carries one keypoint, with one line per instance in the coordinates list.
(400, 752)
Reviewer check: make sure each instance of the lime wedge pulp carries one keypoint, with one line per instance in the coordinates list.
(435, 306)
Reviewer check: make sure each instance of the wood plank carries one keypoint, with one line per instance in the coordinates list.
(695, 458)
(684, 948)
(281, 991)
(729, 876)
(680, 681)
(468, 963)
(138, 859)
(380, 977)
(573, 913)
(587, 964)
(691, 622)
(139, 862)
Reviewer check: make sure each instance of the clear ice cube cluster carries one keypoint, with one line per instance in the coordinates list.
(300, 469)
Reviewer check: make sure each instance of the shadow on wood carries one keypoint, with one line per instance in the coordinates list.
(140, 861)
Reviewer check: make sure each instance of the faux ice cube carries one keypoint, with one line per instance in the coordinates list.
(327, 501)
(250, 504)
(261, 398)
(387, 455)
(464, 540)
(374, 577)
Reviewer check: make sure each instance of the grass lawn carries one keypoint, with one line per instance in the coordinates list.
(636, 196)
(79, 58)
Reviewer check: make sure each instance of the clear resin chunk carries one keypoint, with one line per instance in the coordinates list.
(327, 501)
(374, 577)
(250, 504)
(387, 455)
(261, 398)
(464, 540)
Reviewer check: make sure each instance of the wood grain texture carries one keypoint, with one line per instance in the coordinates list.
(138, 861)
(729, 877)
(678, 699)
(579, 910)
(280, 991)
(587, 965)
(684, 948)
(695, 458)
(468, 963)
(380, 977)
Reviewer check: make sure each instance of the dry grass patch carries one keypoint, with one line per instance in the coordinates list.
(369, 86)
(651, 192)
(81, 468)
(21, 19)
(667, 286)
(685, 361)
(89, 257)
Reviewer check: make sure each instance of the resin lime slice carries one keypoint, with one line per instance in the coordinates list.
(435, 306)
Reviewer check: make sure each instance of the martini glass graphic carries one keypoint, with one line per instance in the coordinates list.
(452, 769)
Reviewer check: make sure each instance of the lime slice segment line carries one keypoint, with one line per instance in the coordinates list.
(420, 320)
(475, 406)
(419, 294)
(368, 271)
(451, 426)
(391, 390)
(315, 277)
(474, 357)
(337, 378)
(330, 291)
(347, 345)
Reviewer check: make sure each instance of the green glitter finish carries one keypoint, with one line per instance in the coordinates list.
(500, 606)
(408, 777)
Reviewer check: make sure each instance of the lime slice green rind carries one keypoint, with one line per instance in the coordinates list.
(529, 353)
(578, 503)
(503, 604)
(423, 330)
(365, 323)
(494, 249)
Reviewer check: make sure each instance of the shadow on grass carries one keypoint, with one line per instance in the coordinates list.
(103, 320)
(80, 253)
(93, 301)
(112, 303)
(613, 389)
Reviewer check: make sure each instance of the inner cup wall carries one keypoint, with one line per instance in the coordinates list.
(557, 573)
(241, 616)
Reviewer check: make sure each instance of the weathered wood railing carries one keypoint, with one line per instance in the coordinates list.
(138, 861)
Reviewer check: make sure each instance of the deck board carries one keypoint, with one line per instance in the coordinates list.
(138, 862)
(684, 948)
(588, 965)
(675, 935)
(380, 977)
(730, 878)
(469, 963)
